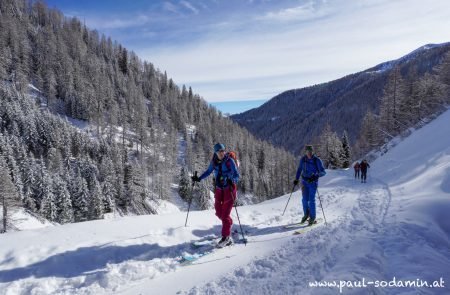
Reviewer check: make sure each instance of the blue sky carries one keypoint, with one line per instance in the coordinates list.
(230, 50)
(236, 107)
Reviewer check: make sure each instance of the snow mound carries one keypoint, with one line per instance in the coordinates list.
(20, 220)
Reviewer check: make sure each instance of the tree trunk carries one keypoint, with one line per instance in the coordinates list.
(5, 211)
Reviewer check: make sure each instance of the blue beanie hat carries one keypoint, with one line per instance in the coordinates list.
(218, 147)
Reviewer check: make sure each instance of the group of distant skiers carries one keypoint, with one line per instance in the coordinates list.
(226, 176)
(361, 167)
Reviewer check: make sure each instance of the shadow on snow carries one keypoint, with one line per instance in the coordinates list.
(94, 259)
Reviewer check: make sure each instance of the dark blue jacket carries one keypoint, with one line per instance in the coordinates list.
(310, 167)
(223, 170)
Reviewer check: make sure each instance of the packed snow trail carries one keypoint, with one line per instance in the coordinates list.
(317, 254)
(105, 256)
(395, 225)
(398, 227)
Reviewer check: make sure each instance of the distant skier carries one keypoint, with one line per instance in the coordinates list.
(357, 168)
(309, 169)
(364, 165)
(226, 177)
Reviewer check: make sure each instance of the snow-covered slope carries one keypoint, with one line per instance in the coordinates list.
(20, 219)
(393, 226)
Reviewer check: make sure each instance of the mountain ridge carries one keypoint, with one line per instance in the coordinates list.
(342, 103)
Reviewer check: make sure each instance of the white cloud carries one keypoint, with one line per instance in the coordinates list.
(117, 23)
(181, 7)
(189, 6)
(307, 11)
(254, 62)
(170, 7)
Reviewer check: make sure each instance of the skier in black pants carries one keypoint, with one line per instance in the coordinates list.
(363, 166)
(357, 168)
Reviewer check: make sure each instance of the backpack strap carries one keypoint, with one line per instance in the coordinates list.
(315, 163)
(213, 161)
(228, 160)
(304, 165)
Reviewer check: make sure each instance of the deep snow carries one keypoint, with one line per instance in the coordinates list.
(395, 225)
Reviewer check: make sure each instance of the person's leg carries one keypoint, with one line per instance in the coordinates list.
(227, 206)
(218, 199)
(312, 200)
(305, 200)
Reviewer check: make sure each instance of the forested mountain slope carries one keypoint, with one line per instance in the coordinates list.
(144, 131)
(402, 91)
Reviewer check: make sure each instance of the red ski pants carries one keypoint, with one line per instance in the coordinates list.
(224, 200)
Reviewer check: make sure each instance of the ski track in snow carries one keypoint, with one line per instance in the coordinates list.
(393, 228)
(314, 254)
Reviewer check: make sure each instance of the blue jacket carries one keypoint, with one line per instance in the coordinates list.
(223, 170)
(310, 167)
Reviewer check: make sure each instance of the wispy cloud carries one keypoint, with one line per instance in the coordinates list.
(169, 6)
(250, 63)
(117, 23)
(234, 49)
(182, 7)
(189, 6)
(307, 11)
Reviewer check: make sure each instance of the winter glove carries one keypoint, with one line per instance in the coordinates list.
(195, 178)
(230, 182)
(313, 178)
(296, 182)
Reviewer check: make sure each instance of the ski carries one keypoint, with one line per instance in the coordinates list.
(295, 225)
(208, 246)
(300, 225)
(190, 259)
(305, 228)
(187, 258)
(207, 241)
(212, 241)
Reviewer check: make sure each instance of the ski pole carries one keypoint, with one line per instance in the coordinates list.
(288, 200)
(190, 200)
(318, 195)
(237, 214)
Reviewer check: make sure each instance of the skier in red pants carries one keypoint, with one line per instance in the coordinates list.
(226, 177)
